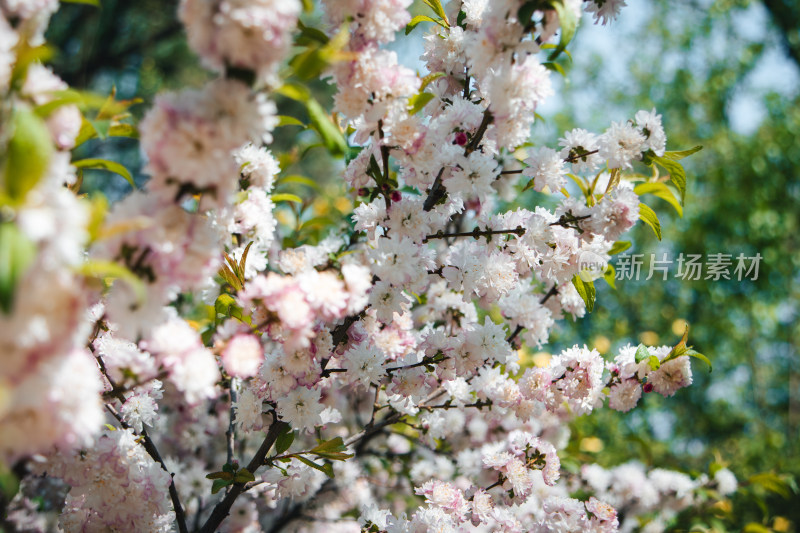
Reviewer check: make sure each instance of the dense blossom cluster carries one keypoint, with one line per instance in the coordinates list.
(375, 341)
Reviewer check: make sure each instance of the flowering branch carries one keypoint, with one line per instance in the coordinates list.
(476, 233)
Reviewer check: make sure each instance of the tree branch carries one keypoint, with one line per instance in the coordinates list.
(223, 508)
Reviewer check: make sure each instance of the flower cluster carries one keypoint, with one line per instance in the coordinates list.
(115, 486)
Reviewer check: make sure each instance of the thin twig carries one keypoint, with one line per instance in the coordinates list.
(231, 433)
(150, 448)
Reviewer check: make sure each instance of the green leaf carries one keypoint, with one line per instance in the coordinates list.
(418, 101)
(17, 252)
(219, 484)
(319, 222)
(243, 260)
(26, 55)
(680, 155)
(102, 127)
(104, 164)
(679, 348)
(374, 170)
(286, 197)
(326, 469)
(755, 527)
(436, 5)
(662, 191)
(642, 353)
(525, 13)
(569, 25)
(9, 483)
(243, 475)
(95, 3)
(112, 270)
(697, 355)
(320, 52)
(309, 64)
(333, 445)
(296, 178)
(311, 34)
(677, 175)
(220, 475)
(123, 130)
(335, 456)
(27, 154)
(651, 219)
(423, 18)
(586, 291)
(224, 304)
(284, 441)
(286, 120)
(610, 276)
(555, 67)
(331, 135)
(619, 246)
(773, 483)
(294, 91)
(653, 363)
(433, 76)
(97, 212)
(230, 277)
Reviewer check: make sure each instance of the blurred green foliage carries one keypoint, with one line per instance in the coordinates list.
(692, 63)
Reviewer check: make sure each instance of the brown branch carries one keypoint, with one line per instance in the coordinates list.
(223, 508)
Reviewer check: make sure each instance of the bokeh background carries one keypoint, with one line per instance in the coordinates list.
(724, 74)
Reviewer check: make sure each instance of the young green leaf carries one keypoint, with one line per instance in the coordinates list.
(675, 156)
(220, 475)
(219, 484)
(17, 252)
(286, 197)
(586, 291)
(331, 135)
(610, 275)
(95, 3)
(334, 445)
(619, 246)
(103, 164)
(651, 219)
(326, 469)
(662, 191)
(436, 5)
(698, 355)
(422, 18)
(418, 101)
(286, 120)
(569, 25)
(111, 270)
(433, 76)
(642, 353)
(284, 441)
(27, 154)
(677, 175)
(243, 475)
